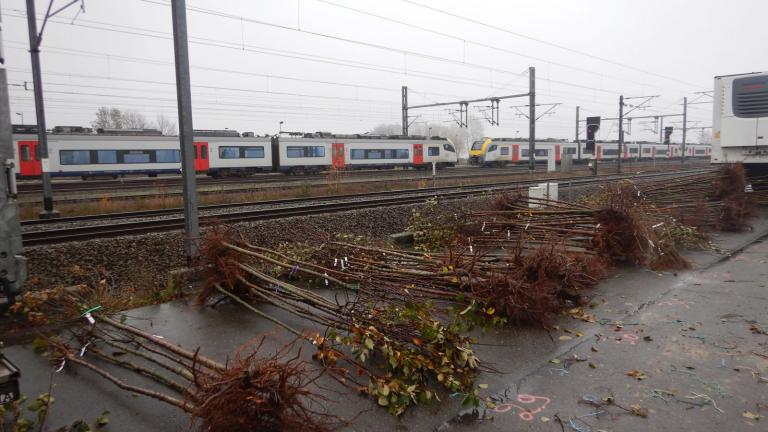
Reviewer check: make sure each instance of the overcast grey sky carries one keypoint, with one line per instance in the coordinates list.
(317, 65)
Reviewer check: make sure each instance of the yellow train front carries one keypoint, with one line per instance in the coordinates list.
(499, 152)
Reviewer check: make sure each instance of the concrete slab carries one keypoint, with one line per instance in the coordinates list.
(697, 321)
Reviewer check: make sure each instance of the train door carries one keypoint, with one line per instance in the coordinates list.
(598, 152)
(653, 152)
(201, 156)
(29, 160)
(626, 152)
(557, 152)
(418, 154)
(337, 155)
(515, 152)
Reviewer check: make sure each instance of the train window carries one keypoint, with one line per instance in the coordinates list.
(477, 145)
(504, 151)
(433, 151)
(75, 157)
(168, 156)
(229, 152)
(646, 150)
(106, 156)
(359, 154)
(633, 151)
(541, 152)
(253, 152)
(610, 152)
(136, 156)
(25, 156)
(569, 150)
(203, 152)
(700, 152)
(449, 148)
(661, 152)
(493, 147)
(305, 151)
(524, 153)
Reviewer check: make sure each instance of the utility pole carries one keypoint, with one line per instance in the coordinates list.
(184, 100)
(13, 268)
(42, 139)
(405, 110)
(685, 128)
(578, 141)
(531, 119)
(621, 129)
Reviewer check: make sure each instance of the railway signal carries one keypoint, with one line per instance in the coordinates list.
(667, 134)
(593, 125)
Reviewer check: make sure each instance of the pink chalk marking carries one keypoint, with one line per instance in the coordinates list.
(525, 414)
(629, 337)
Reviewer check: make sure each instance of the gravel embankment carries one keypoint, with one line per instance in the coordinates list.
(143, 262)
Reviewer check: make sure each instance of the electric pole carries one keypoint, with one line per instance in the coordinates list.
(42, 139)
(184, 100)
(13, 268)
(685, 128)
(531, 119)
(578, 141)
(621, 130)
(405, 110)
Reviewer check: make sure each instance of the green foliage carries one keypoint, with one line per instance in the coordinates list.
(413, 367)
(13, 415)
(432, 230)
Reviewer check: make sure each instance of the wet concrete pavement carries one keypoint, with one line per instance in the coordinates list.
(690, 335)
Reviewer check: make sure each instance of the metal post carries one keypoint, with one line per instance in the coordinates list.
(405, 110)
(184, 98)
(578, 140)
(685, 128)
(621, 130)
(42, 138)
(531, 118)
(13, 267)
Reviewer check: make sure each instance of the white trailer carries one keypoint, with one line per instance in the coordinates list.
(740, 119)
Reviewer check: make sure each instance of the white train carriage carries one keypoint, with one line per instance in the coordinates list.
(233, 156)
(89, 156)
(740, 119)
(302, 155)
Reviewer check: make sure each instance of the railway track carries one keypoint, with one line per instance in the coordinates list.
(176, 181)
(273, 182)
(173, 220)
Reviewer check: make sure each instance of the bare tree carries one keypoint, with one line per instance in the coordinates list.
(387, 129)
(115, 118)
(103, 119)
(165, 125)
(135, 120)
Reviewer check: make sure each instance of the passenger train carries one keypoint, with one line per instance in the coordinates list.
(75, 151)
(740, 120)
(506, 151)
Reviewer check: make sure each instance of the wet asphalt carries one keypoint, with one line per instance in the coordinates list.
(689, 335)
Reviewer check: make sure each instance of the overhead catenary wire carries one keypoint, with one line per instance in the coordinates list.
(545, 42)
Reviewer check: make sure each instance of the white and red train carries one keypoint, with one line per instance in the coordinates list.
(77, 152)
(505, 151)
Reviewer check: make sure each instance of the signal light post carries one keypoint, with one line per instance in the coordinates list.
(593, 125)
